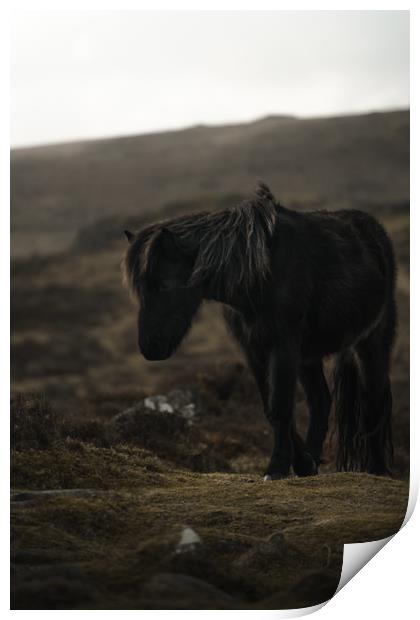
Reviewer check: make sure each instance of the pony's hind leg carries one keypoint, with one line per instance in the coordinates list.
(376, 436)
(319, 401)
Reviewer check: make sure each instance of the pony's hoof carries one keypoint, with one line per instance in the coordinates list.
(274, 476)
(305, 466)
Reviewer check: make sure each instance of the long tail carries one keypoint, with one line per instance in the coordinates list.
(364, 444)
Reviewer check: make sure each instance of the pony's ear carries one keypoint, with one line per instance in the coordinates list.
(167, 259)
(130, 236)
(169, 244)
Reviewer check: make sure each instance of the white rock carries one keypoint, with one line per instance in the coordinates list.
(189, 540)
(158, 403)
(166, 407)
(149, 403)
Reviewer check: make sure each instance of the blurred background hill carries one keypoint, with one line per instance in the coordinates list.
(66, 191)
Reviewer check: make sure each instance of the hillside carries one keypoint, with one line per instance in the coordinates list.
(333, 162)
(107, 481)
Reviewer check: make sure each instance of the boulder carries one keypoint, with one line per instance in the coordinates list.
(178, 591)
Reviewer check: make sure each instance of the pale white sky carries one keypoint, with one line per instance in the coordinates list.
(94, 74)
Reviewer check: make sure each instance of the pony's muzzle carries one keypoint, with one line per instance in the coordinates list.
(154, 353)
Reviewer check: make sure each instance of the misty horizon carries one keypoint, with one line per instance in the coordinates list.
(228, 123)
(79, 76)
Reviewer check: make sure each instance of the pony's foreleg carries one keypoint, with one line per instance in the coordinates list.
(258, 361)
(282, 378)
(319, 402)
(265, 364)
(303, 461)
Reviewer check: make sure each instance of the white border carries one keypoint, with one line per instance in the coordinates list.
(387, 586)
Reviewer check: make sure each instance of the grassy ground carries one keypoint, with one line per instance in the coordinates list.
(263, 545)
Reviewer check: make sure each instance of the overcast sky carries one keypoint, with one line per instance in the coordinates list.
(94, 74)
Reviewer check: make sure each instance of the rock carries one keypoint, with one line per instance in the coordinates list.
(183, 403)
(148, 427)
(273, 549)
(318, 586)
(178, 402)
(158, 403)
(179, 591)
(190, 541)
(165, 426)
(314, 588)
(54, 593)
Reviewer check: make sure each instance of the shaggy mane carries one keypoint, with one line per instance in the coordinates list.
(231, 247)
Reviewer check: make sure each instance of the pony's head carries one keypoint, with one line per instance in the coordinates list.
(159, 270)
(172, 266)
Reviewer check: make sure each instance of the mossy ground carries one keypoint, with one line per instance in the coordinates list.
(263, 545)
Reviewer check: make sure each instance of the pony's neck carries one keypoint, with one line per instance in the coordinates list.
(238, 300)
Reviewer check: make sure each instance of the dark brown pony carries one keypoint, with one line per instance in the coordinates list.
(296, 287)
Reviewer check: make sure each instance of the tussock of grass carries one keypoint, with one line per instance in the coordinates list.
(33, 422)
(74, 464)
